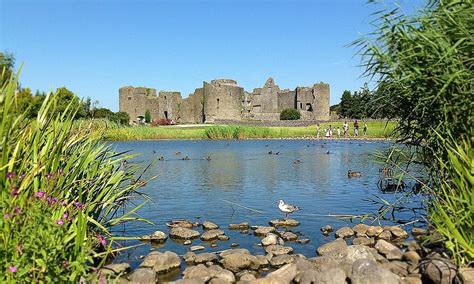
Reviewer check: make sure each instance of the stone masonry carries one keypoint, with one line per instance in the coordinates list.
(224, 99)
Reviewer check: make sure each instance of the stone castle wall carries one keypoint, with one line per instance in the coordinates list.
(224, 99)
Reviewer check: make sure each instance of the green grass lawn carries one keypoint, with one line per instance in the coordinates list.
(376, 129)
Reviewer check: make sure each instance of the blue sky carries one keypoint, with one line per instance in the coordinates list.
(95, 47)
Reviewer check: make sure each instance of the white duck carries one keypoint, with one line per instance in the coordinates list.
(287, 208)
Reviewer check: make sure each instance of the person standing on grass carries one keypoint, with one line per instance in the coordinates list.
(338, 132)
(318, 130)
(356, 128)
(365, 128)
(345, 127)
(330, 131)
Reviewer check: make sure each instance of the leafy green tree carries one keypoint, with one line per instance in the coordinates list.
(346, 104)
(65, 98)
(7, 61)
(121, 117)
(290, 114)
(103, 113)
(147, 116)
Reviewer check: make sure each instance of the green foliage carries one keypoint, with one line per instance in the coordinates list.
(237, 132)
(121, 117)
(290, 114)
(452, 212)
(7, 61)
(60, 192)
(427, 60)
(103, 113)
(147, 116)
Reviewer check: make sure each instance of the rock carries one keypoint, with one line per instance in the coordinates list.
(234, 245)
(284, 223)
(356, 252)
(438, 270)
(289, 236)
(366, 271)
(223, 238)
(281, 260)
(199, 272)
(411, 245)
(397, 232)
(385, 235)
(344, 232)
(218, 272)
(211, 235)
(373, 231)
(411, 280)
(278, 250)
(239, 261)
(388, 250)
(360, 230)
(363, 241)
(247, 277)
(189, 257)
(286, 274)
(412, 257)
(417, 232)
(332, 275)
(207, 225)
(213, 245)
(219, 281)
(183, 233)
(327, 229)
(467, 274)
(161, 262)
(303, 241)
(205, 257)
(181, 223)
(378, 257)
(263, 231)
(232, 251)
(158, 237)
(196, 248)
(262, 260)
(241, 226)
(331, 246)
(397, 267)
(270, 239)
(187, 242)
(143, 275)
(116, 269)
(188, 281)
(244, 232)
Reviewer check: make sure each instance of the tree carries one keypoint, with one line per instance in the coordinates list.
(103, 113)
(290, 114)
(64, 99)
(121, 117)
(7, 61)
(346, 104)
(147, 116)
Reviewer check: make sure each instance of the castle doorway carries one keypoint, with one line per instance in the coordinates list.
(166, 114)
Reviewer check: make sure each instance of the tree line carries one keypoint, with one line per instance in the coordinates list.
(30, 103)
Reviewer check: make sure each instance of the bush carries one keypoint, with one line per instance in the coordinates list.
(290, 114)
(60, 192)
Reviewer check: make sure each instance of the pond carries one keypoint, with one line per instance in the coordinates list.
(245, 173)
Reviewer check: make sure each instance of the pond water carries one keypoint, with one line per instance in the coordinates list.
(245, 173)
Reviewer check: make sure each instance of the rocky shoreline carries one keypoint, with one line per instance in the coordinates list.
(361, 254)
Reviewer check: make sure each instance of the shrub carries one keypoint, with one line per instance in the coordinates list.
(61, 189)
(290, 114)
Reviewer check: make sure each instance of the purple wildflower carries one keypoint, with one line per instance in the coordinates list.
(102, 240)
(22, 176)
(40, 194)
(19, 248)
(65, 216)
(49, 175)
(17, 210)
(10, 175)
(12, 269)
(61, 172)
(63, 202)
(6, 216)
(78, 205)
(59, 222)
(51, 200)
(14, 191)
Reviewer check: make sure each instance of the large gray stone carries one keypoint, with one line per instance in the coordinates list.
(263, 231)
(331, 246)
(158, 237)
(205, 257)
(161, 262)
(198, 272)
(232, 251)
(278, 250)
(388, 250)
(360, 229)
(285, 274)
(344, 232)
(281, 260)
(366, 271)
(289, 236)
(207, 225)
(373, 231)
(438, 270)
(239, 261)
(270, 239)
(143, 275)
(284, 223)
(115, 269)
(332, 275)
(211, 235)
(363, 241)
(183, 233)
(241, 226)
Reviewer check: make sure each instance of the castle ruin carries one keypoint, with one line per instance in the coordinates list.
(224, 99)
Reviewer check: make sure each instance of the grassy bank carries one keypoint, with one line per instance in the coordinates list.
(376, 130)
